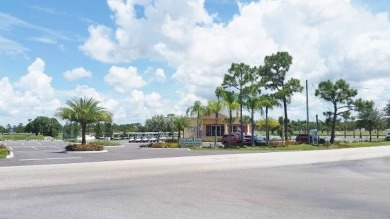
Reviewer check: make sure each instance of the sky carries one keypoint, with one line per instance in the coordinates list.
(141, 58)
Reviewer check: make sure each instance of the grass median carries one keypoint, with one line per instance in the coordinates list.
(300, 147)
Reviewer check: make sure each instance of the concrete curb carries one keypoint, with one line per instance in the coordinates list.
(184, 149)
(11, 155)
(118, 146)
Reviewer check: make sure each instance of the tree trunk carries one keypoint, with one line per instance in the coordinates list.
(215, 130)
(83, 131)
(285, 119)
(266, 126)
(230, 127)
(197, 125)
(332, 134)
(241, 133)
(253, 128)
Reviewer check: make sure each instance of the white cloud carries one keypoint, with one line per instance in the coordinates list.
(76, 73)
(86, 91)
(328, 39)
(31, 96)
(36, 80)
(144, 106)
(124, 79)
(159, 75)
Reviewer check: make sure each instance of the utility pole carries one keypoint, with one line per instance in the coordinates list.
(307, 113)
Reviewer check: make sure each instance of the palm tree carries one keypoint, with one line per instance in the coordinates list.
(197, 109)
(215, 107)
(253, 102)
(268, 102)
(180, 122)
(230, 101)
(84, 111)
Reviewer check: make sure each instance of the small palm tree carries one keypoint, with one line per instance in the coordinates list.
(197, 109)
(230, 100)
(268, 102)
(84, 111)
(180, 123)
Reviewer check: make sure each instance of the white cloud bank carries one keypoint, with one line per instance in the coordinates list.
(32, 95)
(328, 39)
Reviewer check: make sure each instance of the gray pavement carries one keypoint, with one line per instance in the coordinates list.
(51, 152)
(314, 184)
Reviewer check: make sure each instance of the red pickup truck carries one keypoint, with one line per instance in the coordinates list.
(304, 138)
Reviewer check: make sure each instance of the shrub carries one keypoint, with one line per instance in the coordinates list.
(106, 143)
(170, 140)
(161, 145)
(4, 151)
(211, 139)
(84, 147)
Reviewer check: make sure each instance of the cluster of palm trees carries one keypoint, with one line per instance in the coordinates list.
(258, 88)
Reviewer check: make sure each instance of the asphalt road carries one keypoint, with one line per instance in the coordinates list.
(51, 152)
(223, 186)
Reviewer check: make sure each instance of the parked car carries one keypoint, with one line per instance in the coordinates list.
(259, 141)
(235, 139)
(387, 138)
(303, 138)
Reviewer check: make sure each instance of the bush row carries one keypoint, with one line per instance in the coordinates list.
(84, 147)
(162, 145)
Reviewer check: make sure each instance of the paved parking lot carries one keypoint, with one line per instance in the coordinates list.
(52, 152)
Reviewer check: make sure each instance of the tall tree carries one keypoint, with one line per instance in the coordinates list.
(84, 111)
(230, 101)
(45, 126)
(180, 123)
(341, 97)
(197, 109)
(237, 78)
(274, 77)
(369, 116)
(386, 112)
(157, 123)
(98, 130)
(3, 129)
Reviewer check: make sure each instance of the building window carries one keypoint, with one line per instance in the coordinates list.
(210, 130)
(235, 128)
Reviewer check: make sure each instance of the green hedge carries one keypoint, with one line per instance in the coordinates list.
(84, 147)
(106, 143)
(161, 145)
(170, 140)
(21, 136)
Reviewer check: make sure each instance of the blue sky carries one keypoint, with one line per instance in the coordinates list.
(147, 57)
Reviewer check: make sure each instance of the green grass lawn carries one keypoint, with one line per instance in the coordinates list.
(300, 147)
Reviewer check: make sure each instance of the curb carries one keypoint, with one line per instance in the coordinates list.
(11, 155)
(117, 146)
(184, 149)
